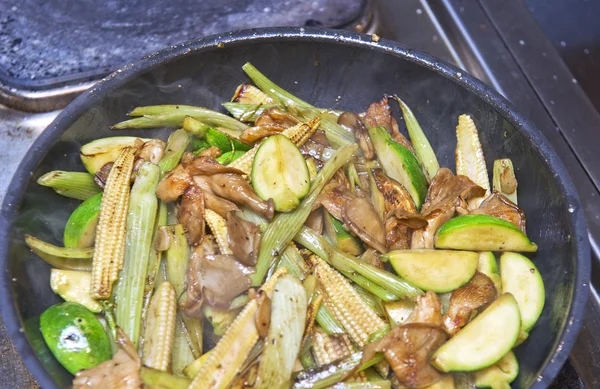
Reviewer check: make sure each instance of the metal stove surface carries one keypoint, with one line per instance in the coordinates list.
(499, 43)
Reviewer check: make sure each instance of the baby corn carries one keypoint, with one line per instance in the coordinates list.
(160, 328)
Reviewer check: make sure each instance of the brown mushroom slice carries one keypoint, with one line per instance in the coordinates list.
(235, 188)
(500, 206)
(212, 152)
(428, 309)
(334, 197)
(276, 116)
(194, 295)
(172, 186)
(252, 134)
(315, 221)
(243, 238)
(262, 320)
(361, 218)
(206, 166)
(121, 372)
(408, 349)
(212, 201)
(398, 236)
(371, 257)
(191, 214)
(477, 293)
(379, 114)
(312, 149)
(352, 122)
(152, 151)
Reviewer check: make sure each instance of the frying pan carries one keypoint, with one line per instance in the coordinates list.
(328, 68)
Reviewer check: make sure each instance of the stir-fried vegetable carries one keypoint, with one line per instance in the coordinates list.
(324, 248)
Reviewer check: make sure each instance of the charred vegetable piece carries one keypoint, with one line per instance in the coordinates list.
(482, 233)
(249, 94)
(500, 375)
(74, 336)
(470, 161)
(74, 286)
(484, 341)
(77, 185)
(159, 329)
(61, 257)
(400, 163)
(437, 270)
(99, 152)
(279, 172)
(80, 230)
(504, 180)
(176, 145)
(341, 238)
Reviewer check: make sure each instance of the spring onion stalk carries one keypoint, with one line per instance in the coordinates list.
(160, 379)
(379, 384)
(181, 355)
(293, 262)
(328, 322)
(174, 115)
(129, 296)
(423, 150)
(372, 301)
(77, 185)
(282, 345)
(176, 145)
(336, 134)
(346, 263)
(156, 255)
(195, 127)
(246, 112)
(177, 257)
(369, 286)
(66, 258)
(285, 225)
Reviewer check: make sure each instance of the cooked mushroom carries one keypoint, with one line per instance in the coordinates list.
(262, 320)
(334, 197)
(500, 206)
(310, 148)
(173, 184)
(244, 239)
(361, 218)
(194, 296)
(212, 201)
(235, 188)
(252, 134)
(121, 372)
(428, 309)
(315, 220)
(206, 166)
(379, 114)
(211, 152)
(352, 122)
(408, 349)
(477, 293)
(191, 214)
(371, 257)
(152, 151)
(101, 175)
(276, 116)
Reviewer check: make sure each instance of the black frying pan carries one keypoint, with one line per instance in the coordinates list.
(329, 69)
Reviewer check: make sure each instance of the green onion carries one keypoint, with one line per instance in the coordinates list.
(77, 185)
(61, 257)
(177, 257)
(246, 112)
(129, 297)
(293, 262)
(156, 255)
(174, 115)
(195, 127)
(160, 379)
(328, 322)
(285, 225)
(369, 286)
(423, 150)
(176, 145)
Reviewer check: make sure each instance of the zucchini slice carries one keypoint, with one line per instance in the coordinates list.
(400, 163)
(341, 238)
(500, 375)
(482, 233)
(484, 341)
(488, 266)
(437, 270)
(74, 286)
(80, 230)
(99, 152)
(279, 172)
(522, 279)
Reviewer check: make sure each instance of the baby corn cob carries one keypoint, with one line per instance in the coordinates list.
(357, 318)
(470, 161)
(297, 134)
(229, 354)
(328, 348)
(160, 328)
(219, 229)
(110, 233)
(311, 314)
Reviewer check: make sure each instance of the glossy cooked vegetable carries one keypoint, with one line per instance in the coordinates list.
(80, 230)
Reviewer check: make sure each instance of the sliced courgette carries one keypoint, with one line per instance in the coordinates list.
(400, 163)
(101, 151)
(488, 266)
(74, 286)
(522, 279)
(341, 238)
(279, 172)
(482, 233)
(499, 375)
(437, 270)
(80, 230)
(484, 341)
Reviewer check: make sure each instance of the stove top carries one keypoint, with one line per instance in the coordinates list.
(498, 42)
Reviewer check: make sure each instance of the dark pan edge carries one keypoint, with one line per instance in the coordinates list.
(38, 150)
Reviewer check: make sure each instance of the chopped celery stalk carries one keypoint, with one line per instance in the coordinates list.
(181, 355)
(230, 156)
(293, 262)
(176, 145)
(285, 225)
(77, 185)
(155, 255)
(423, 150)
(177, 257)
(129, 296)
(74, 286)
(61, 257)
(246, 112)
(80, 230)
(195, 127)
(341, 261)
(160, 379)
(371, 287)
(174, 115)
(372, 301)
(470, 161)
(282, 345)
(328, 322)
(504, 180)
